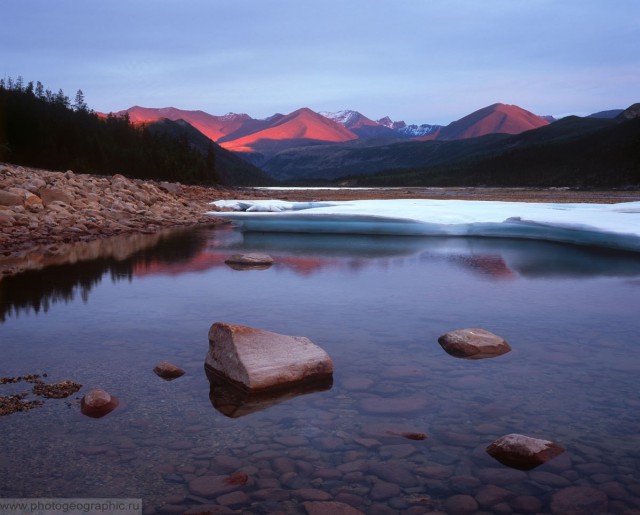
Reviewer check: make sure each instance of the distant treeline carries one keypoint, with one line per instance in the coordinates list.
(43, 129)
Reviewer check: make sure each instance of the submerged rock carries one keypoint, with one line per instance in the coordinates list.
(260, 360)
(59, 390)
(579, 500)
(168, 371)
(473, 343)
(523, 452)
(249, 261)
(98, 403)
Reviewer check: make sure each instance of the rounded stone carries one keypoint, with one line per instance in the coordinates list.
(168, 371)
(98, 403)
(579, 500)
(461, 505)
(473, 343)
(249, 261)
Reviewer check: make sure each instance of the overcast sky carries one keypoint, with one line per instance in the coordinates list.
(422, 61)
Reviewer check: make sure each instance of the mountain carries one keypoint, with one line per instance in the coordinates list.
(496, 118)
(214, 127)
(573, 152)
(335, 161)
(302, 127)
(610, 114)
(384, 128)
(232, 169)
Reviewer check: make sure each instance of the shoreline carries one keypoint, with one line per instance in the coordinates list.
(44, 215)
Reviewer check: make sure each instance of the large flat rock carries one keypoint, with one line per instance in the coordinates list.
(260, 360)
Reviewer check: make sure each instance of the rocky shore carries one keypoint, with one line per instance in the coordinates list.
(43, 212)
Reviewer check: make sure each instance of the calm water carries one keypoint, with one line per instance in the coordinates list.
(377, 306)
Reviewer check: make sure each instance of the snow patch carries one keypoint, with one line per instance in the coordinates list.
(604, 225)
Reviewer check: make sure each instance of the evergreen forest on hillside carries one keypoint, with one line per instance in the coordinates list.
(43, 129)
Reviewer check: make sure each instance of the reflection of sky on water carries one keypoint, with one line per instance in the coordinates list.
(205, 249)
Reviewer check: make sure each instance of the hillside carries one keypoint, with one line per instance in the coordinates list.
(575, 152)
(493, 119)
(233, 170)
(303, 125)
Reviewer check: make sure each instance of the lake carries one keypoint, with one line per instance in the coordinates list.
(377, 305)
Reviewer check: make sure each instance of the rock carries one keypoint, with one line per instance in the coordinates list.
(330, 508)
(168, 371)
(98, 403)
(579, 500)
(473, 344)
(33, 203)
(49, 195)
(393, 405)
(394, 472)
(59, 390)
(249, 261)
(523, 452)
(170, 187)
(10, 199)
(260, 360)
(384, 490)
(460, 505)
(212, 486)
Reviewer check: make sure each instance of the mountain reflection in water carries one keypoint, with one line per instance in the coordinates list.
(200, 249)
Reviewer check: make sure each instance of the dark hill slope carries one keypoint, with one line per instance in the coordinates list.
(575, 152)
(233, 170)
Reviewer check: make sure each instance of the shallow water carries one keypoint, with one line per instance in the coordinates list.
(377, 306)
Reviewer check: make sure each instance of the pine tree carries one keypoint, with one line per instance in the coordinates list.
(79, 103)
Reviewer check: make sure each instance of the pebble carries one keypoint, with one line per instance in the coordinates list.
(579, 500)
(460, 505)
(330, 508)
(383, 490)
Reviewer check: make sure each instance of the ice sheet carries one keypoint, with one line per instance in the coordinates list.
(606, 225)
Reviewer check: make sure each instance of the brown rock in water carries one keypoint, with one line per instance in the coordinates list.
(523, 452)
(330, 508)
(579, 500)
(98, 403)
(168, 371)
(249, 261)
(473, 343)
(59, 390)
(259, 360)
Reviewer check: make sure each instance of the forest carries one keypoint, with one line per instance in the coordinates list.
(43, 129)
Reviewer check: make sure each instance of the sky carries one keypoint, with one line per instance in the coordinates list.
(421, 61)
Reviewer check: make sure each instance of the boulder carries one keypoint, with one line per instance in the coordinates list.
(523, 452)
(259, 360)
(98, 403)
(249, 261)
(49, 195)
(168, 371)
(473, 343)
(579, 500)
(10, 199)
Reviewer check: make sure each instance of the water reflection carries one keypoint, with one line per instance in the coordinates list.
(80, 267)
(234, 402)
(65, 276)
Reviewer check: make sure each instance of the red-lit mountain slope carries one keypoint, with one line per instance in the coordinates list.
(496, 118)
(214, 127)
(303, 124)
